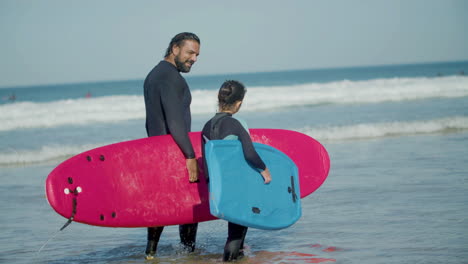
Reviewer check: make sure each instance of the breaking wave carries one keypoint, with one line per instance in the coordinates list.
(83, 111)
(59, 153)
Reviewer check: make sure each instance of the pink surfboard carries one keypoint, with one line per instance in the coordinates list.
(144, 182)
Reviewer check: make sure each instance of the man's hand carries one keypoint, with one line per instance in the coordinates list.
(266, 175)
(192, 167)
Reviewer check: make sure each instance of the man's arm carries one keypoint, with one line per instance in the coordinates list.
(172, 104)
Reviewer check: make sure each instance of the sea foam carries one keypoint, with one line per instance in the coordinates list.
(332, 134)
(385, 129)
(84, 111)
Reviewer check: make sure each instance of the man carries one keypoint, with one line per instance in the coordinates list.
(167, 102)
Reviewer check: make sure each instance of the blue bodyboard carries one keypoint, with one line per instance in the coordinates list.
(237, 190)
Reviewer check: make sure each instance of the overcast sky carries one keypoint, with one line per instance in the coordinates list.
(64, 41)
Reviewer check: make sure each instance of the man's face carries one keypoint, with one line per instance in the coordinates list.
(186, 55)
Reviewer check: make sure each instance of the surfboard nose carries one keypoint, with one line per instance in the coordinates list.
(325, 160)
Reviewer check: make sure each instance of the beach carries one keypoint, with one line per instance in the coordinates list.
(397, 137)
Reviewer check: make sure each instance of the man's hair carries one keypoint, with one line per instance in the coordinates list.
(179, 39)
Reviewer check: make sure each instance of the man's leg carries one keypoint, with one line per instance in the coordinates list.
(235, 242)
(154, 233)
(188, 236)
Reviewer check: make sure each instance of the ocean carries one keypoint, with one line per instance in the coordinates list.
(397, 191)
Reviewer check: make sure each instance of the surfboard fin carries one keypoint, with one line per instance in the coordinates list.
(292, 190)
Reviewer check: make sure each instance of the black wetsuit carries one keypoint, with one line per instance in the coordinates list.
(167, 102)
(219, 127)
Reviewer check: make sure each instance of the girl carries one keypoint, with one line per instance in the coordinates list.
(224, 126)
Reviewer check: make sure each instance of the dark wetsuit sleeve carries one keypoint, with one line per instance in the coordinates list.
(171, 101)
(250, 153)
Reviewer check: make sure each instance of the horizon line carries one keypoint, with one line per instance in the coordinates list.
(20, 86)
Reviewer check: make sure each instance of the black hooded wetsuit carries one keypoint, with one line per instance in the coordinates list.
(221, 126)
(167, 102)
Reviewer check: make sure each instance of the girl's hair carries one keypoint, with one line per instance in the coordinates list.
(230, 92)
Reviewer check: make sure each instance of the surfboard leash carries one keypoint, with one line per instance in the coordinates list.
(72, 217)
(69, 221)
(74, 203)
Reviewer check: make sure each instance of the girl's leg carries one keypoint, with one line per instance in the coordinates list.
(235, 242)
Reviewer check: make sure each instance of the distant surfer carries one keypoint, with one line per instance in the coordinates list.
(224, 126)
(11, 97)
(88, 95)
(167, 101)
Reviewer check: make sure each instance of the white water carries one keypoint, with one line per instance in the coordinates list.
(26, 115)
(323, 134)
(384, 129)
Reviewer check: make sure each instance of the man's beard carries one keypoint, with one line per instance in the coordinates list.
(181, 66)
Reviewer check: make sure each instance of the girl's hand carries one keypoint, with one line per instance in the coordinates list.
(266, 175)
